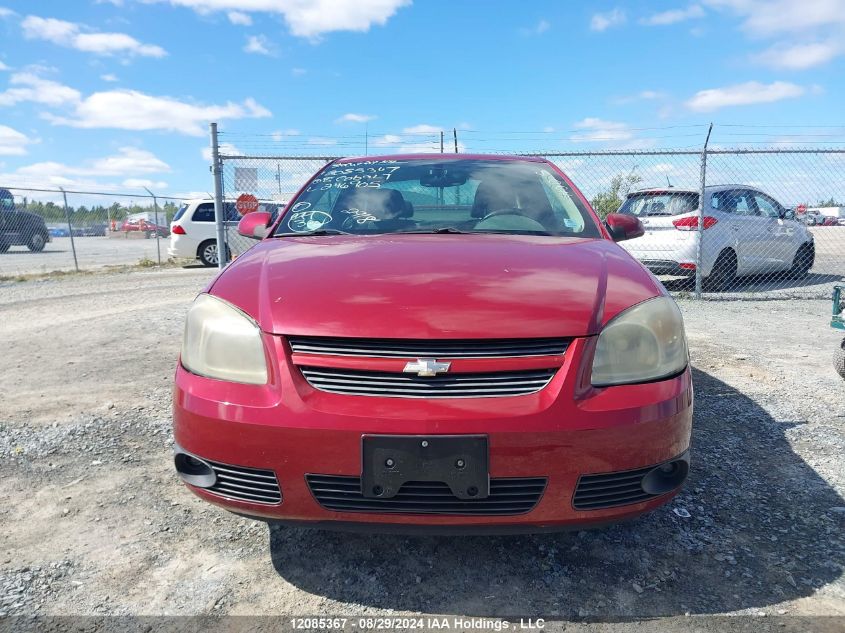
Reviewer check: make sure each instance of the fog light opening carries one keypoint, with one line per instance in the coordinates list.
(193, 470)
(666, 477)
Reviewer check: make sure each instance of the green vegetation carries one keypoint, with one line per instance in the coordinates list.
(609, 200)
(84, 216)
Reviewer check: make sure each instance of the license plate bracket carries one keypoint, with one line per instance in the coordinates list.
(389, 461)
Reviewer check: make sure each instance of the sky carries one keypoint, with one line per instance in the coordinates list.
(116, 95)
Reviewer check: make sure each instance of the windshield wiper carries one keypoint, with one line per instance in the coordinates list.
(442, 229)
(316, 232)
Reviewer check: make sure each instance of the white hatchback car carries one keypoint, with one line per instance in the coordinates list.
(193, 230)
(745, 232)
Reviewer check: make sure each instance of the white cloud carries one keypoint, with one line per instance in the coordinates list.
(603, 21)
(3, 66)
(298, 72)
(538, 29)
(258, 44)
(387, 140)
(12, 142)
(134, 110)
(673, 16)
(309, 18)
(129, 161)
(643, 95)
(749, 93)
(6, 13)
(144, 183)
(108, 77)
(74, 35)
(601, 131)
(240, 18)
(30, 87)
(423, 128)
(548, 129)
(225, 149)
(128, 164)
(800, 56)
(766, 18)
(280, 135)
(352, 117)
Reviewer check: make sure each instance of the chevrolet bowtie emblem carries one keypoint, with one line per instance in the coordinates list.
(426, 367)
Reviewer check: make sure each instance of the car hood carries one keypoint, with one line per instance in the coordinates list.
(435, 286)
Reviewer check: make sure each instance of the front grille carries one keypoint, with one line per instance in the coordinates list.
(404, 348)
(245, 484)
(508, 496)
(607, 490)
(371, 383)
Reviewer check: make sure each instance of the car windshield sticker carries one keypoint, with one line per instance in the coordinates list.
(307, 221)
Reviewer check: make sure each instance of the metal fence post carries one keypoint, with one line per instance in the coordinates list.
(155, 215)
(218, 198)
(700, 227)
(70, 230)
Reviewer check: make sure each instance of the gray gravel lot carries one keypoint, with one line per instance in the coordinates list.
(91, 253)
(95, 522)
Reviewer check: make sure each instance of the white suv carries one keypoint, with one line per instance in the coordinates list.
(193, 230)
(745, 232)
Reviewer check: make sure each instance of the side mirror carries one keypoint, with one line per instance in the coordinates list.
(254, 225)
(623, 227)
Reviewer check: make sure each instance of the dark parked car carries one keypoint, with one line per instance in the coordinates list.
(20, 227)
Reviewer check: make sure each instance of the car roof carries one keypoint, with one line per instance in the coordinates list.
(707, 189)
(438, 157)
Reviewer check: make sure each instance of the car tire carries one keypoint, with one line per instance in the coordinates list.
(723, 275)
(36, 242)
(803, 261)
(207, 253)
(839, 359)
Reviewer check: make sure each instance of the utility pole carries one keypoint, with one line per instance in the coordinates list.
(218, 197)
(700, 227)
(455, 135)
(441, 141)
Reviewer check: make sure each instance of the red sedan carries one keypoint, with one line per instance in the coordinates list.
(449, 342)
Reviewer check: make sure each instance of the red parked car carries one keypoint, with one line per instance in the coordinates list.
(150, 228)
(452, 342)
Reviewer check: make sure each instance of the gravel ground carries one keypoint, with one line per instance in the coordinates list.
(95, 521)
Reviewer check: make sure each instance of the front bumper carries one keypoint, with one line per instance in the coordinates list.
(560, 434)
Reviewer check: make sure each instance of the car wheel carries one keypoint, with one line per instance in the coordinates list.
(207, 253)
(36, 242)
(839, 359)
(803, 261)
(723, 275)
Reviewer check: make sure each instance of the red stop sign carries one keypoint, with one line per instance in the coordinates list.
(246, 203)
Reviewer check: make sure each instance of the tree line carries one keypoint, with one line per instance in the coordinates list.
(97, 214)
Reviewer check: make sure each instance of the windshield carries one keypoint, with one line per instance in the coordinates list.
(7, 201)
(660, 203)
(450, 196)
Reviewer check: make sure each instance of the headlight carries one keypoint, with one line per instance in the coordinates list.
(222, 342)
(643, 343)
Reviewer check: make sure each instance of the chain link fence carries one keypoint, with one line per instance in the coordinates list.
(46, 230)
(770, 223)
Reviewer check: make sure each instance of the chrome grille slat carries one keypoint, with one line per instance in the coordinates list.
(245, 484)
(404, 348)
(508, 496)
(364, 383)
